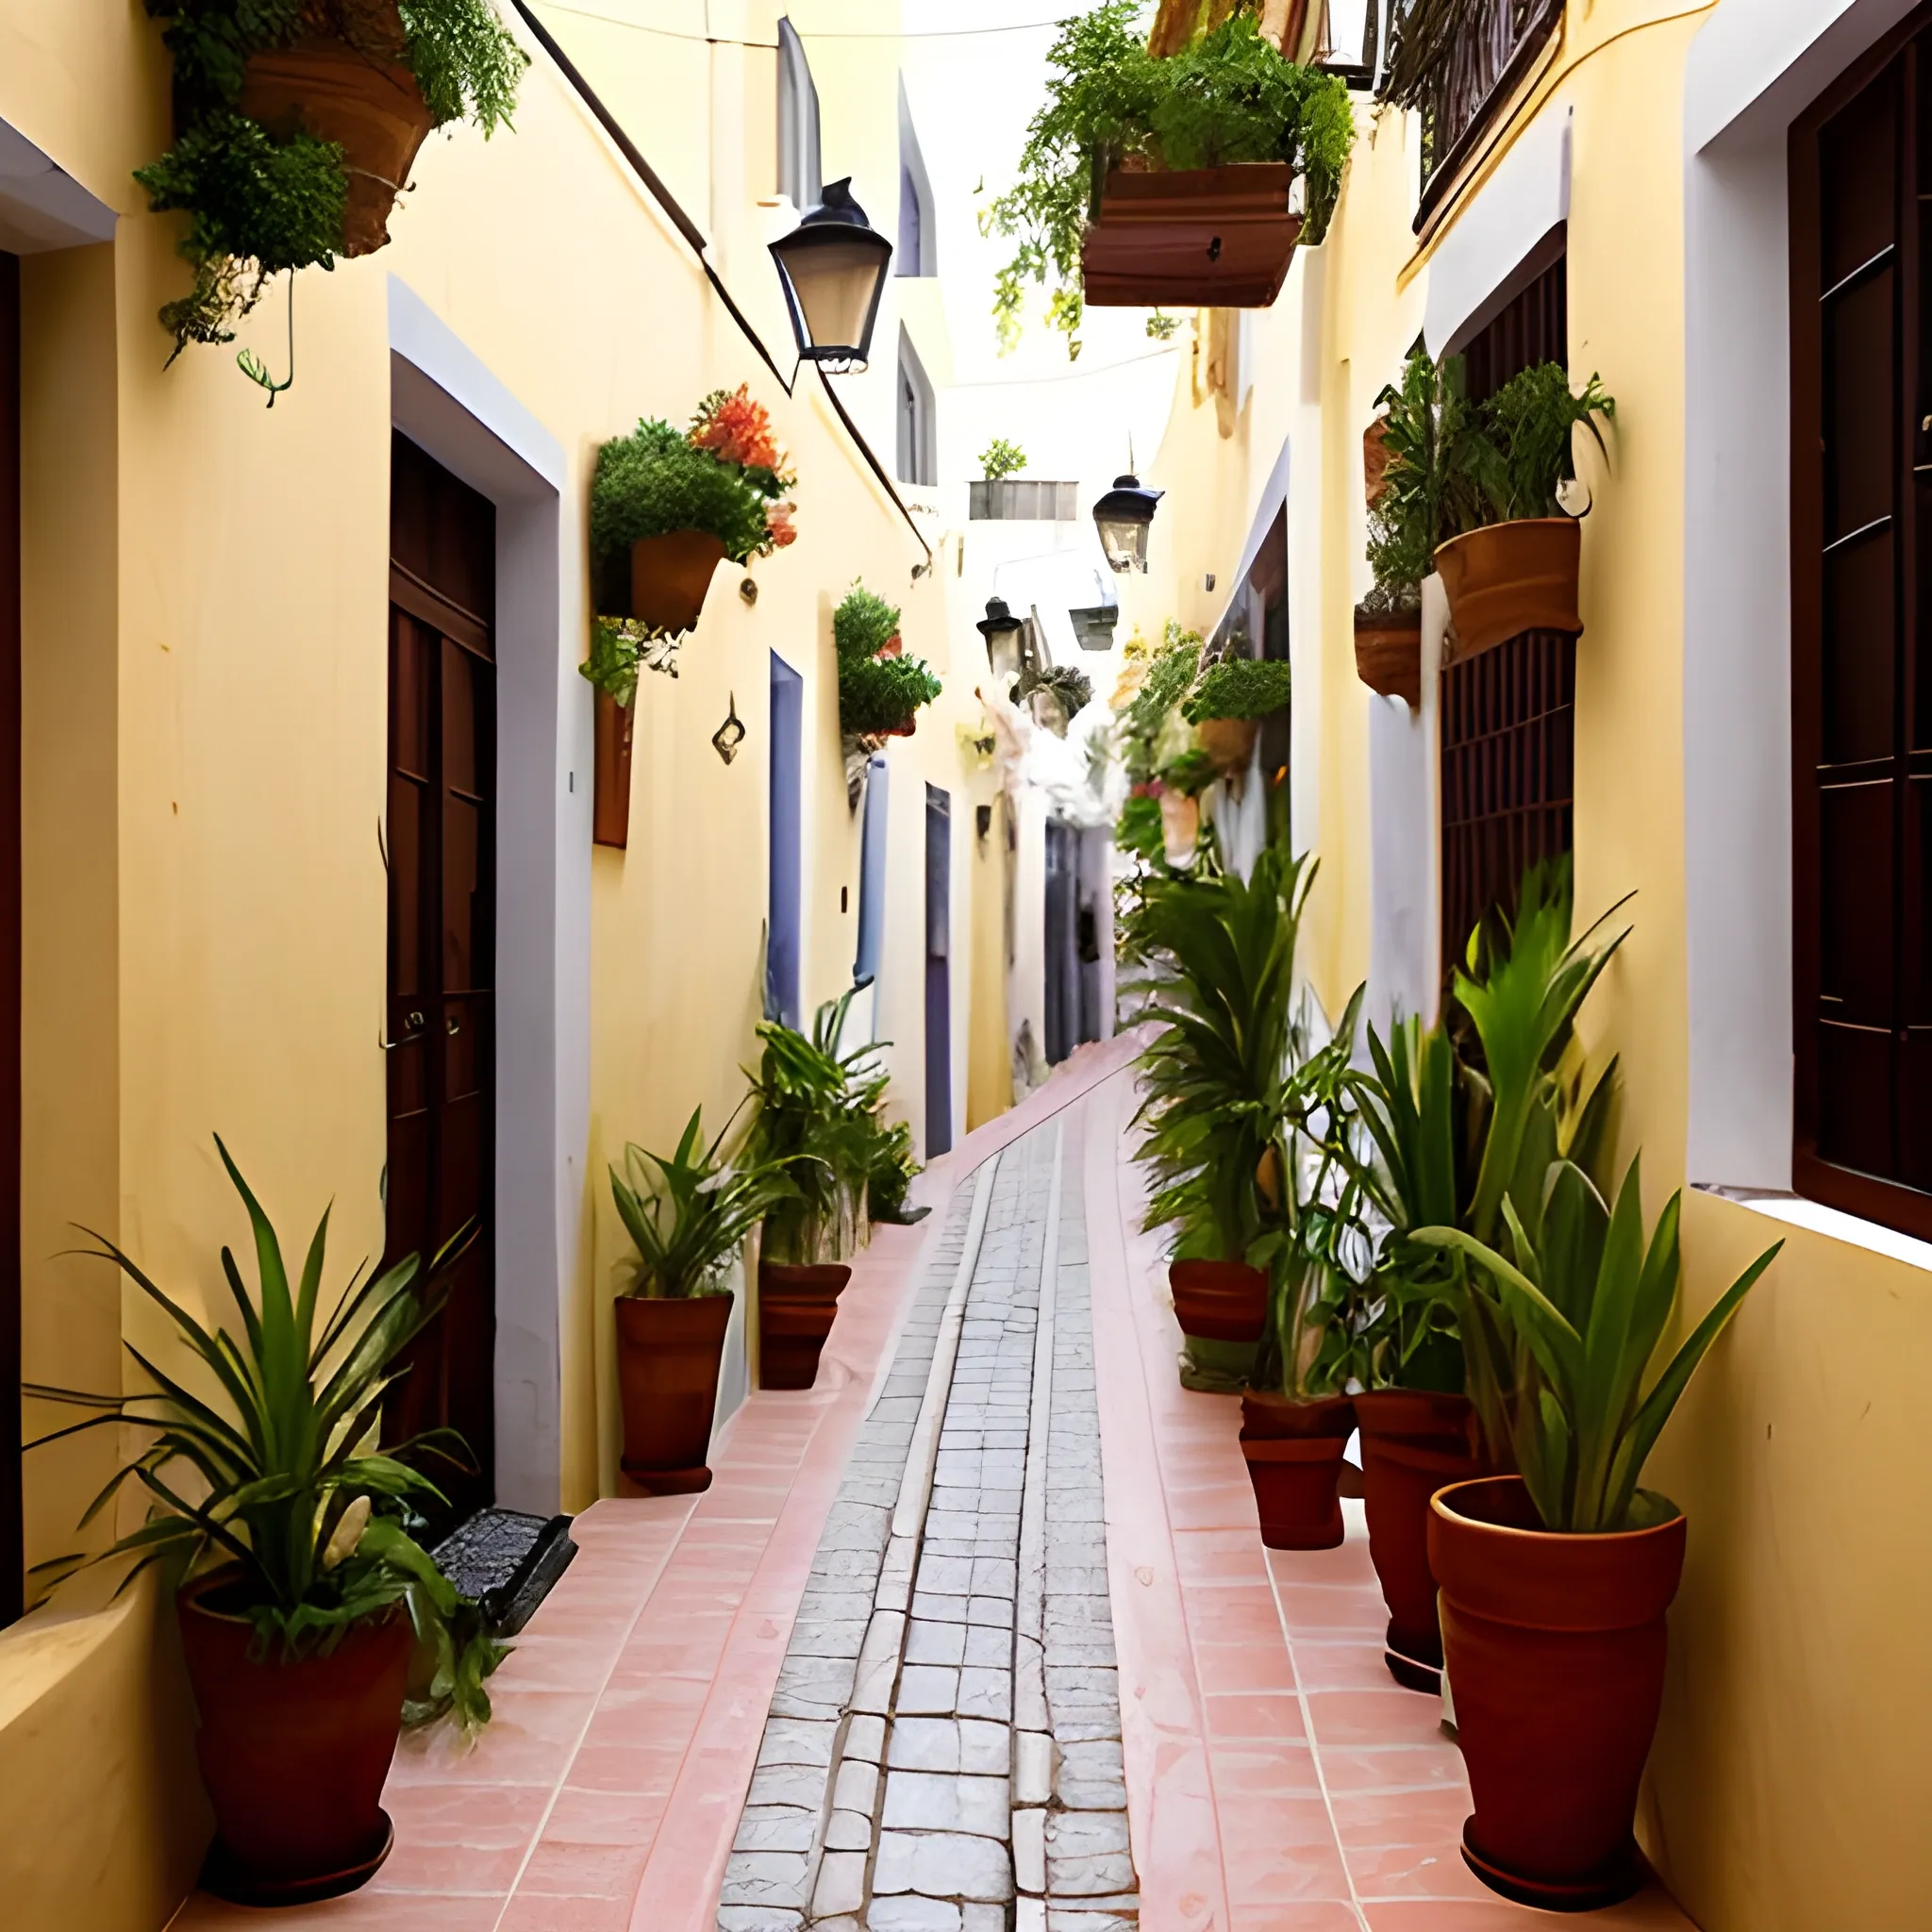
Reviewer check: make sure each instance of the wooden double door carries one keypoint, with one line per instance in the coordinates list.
(442, 1007)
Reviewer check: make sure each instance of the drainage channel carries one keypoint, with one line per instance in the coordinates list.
(942, 1752)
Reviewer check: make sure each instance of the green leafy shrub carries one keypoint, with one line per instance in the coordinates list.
(1238, 687)
(1001, 458)
(259, 202)
(273, 1483)
(1067, 682)
(878, 695)
(653, 482)
(1228, 96)
(1532, 420)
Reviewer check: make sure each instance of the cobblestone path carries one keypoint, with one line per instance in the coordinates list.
(943, 1749)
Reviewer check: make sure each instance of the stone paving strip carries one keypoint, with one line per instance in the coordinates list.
(942, 1753)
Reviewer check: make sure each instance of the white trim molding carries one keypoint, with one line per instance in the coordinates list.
(445, 398)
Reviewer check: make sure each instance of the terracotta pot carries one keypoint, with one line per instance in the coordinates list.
(1555, 1645)
(293, 1754)
(611, 801)
(1222, 1301)
(1293, 1451)
(1511, 577)
(1376, 460)
(1180, 827)
(1414, 1442)
(1213, 237)
(904, 731)
(796, 1305)
(670, 576)
(373, 108)
(1389, 657)
(1228, 741)
(668, 1352)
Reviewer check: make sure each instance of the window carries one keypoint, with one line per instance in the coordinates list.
(1509, 715)
(918, 442)
(1861, 644)
(918, 253)
(799, 177)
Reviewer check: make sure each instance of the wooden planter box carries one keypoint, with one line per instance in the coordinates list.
(1389, 657)
(1211, 238)
(610, 799)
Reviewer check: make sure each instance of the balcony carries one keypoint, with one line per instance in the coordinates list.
(1009, 501)
(1487, 55)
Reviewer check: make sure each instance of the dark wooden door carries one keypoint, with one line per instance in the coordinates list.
(938, 972)
(1508, 716)
(1861, 637)
(442, 848)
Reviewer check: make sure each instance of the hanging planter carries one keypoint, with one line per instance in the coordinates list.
(296, 127)
(797, 1304)
(1506, 578)
(1293, 1452)
(610, 799)
(1197, 238)
(1169, 177)
(1414, 1442)
(880, 689)
(1389, 654)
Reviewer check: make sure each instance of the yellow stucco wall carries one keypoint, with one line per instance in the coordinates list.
(205, 700)
(1789, 1784)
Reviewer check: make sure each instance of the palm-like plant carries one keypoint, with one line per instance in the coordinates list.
(1212, 1076)
(1446, 1142)
(1588, 1302)
(1442, 475)
(692, 1215)
(276, 1475)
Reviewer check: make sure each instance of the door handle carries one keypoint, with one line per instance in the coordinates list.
(412, 1026)
(453, 1025)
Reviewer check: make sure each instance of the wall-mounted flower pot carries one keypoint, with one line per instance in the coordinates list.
(1210, 238)
(610, 797)
(668, 1352)
(293, 1754)
(797, 1307)
(1180, 827)
(1556, 1647)
(1389, 656)
(1229, 742)
(1508, 578)
(1376, 456)
(661, 581)
(1293, 1453)
(1414, 1442)
(1222, 1308)
(372, 109)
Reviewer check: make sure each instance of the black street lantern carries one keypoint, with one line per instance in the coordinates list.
(833, 270)
(1121, 517)
(1001, 629)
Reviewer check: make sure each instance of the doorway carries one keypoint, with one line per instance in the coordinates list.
(442, 1009)
(13, 1582)
(784, 940)
(939, 978)
(1062, 953)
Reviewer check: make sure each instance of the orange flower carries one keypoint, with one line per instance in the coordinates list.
(738, 430)
(778, 523)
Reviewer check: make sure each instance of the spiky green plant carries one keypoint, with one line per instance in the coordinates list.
(276, 1475)
(1533, 420)
(688, 1216)
(1587, 1302)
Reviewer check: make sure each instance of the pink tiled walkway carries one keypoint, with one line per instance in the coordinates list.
(1279, 1781)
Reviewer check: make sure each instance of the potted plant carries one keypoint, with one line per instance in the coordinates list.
(296, 124)
(1555, 1580)
(303, 1594)
(1426, 482)
(1221, 987)
(880, 689)
(1516, 567)
(1151, 737)
(1451, 1130)
(1148, 181)
(815, 1123)
(1053, 697)
(1226, 707)
(687, 1217)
